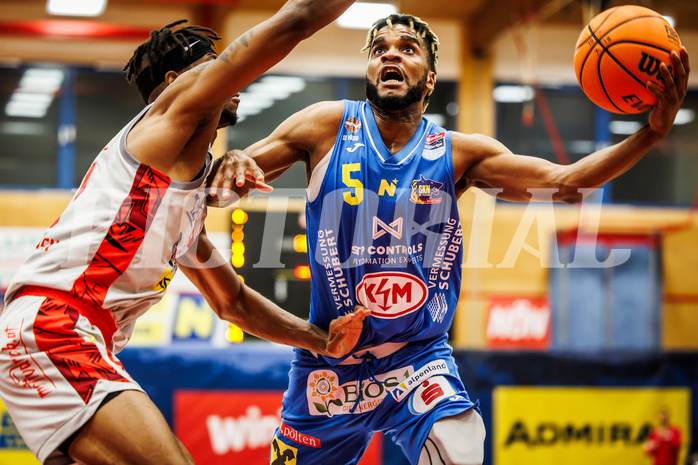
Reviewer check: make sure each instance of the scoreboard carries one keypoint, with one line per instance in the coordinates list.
(268, 251)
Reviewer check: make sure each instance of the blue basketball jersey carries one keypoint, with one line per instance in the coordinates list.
(384, 231)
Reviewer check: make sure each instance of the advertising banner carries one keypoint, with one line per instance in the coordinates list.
(13, 450)
(518, 323)
(582, 426)
(237, 427)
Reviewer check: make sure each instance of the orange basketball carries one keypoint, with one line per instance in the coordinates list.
(618, 52)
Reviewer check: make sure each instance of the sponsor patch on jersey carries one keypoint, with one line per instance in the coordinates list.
(24, 370)
(281, 454)
(326, 397)
(437, 307)
(436, 367)
(352, 125)
(380, 228)
(356, 147)
(391, 294)
(295, 436)
(429, 393)
(164, 281)
(435, 146)
(426, 191)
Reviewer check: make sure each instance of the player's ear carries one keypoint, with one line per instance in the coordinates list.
(431, 80)
(170, 77)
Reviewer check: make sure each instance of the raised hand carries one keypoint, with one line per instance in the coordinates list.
(669, 101)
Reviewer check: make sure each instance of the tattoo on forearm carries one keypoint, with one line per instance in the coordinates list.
(243, 39)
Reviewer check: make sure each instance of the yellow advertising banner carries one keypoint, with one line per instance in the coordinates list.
(13, 450)
(582, 426)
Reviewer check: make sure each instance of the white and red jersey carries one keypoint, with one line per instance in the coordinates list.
(117, 242)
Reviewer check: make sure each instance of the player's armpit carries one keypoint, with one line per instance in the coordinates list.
(304, 136)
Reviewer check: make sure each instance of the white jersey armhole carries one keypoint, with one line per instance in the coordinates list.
(317, 176)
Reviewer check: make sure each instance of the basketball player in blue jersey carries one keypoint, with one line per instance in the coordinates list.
(382, 189)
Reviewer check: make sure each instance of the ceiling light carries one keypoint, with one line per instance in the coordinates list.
(277, 87)
(248, 99)
(512, 94)
(624, 128)
(276, 93)
(22, 129)
(684, 116)
(362, 15)
(76, 7)
(41, 80)
(25, 109)
(291, 83)
(35, 93)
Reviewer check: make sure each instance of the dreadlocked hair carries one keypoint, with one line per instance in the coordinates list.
(151, 53)
(421, 28)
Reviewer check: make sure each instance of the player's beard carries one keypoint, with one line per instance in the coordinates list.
(228, 118)
(397, 102)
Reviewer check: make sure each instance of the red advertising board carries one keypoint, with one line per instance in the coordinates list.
(236, 426)
(518, 323)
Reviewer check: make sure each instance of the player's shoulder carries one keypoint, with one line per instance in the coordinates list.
(469, 150)
(319, 120)
(475, 143)
(326, 109)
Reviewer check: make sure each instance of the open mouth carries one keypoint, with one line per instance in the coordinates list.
(392, 75)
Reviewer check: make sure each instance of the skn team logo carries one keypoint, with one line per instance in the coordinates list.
(391, 294)
(380, 228)
(426, 191)
(352, 124)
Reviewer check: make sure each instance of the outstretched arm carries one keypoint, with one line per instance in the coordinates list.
(235, 302)
(174, 135)
(253, 53)
(307, 136)
(484, 162)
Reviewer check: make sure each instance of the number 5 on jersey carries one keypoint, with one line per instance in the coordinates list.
(352, 198)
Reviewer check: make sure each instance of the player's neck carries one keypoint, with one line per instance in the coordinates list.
(397, 127)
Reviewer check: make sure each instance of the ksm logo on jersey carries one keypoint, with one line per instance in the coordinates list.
(391, 294)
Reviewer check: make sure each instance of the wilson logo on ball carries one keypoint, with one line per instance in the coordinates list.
(391, 294)
(618, 52)
(650, 66)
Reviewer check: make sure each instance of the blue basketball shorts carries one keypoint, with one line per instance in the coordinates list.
(330, 413)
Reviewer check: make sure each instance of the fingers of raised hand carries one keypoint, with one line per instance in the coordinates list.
(681, 68)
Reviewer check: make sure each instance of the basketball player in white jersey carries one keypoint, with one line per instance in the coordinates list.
(382, 188)
(136, 218)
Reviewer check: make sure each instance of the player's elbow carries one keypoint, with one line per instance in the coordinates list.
(227, 305)
(305, 17)
(302, 24)
(568, 195)
(567, 185)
